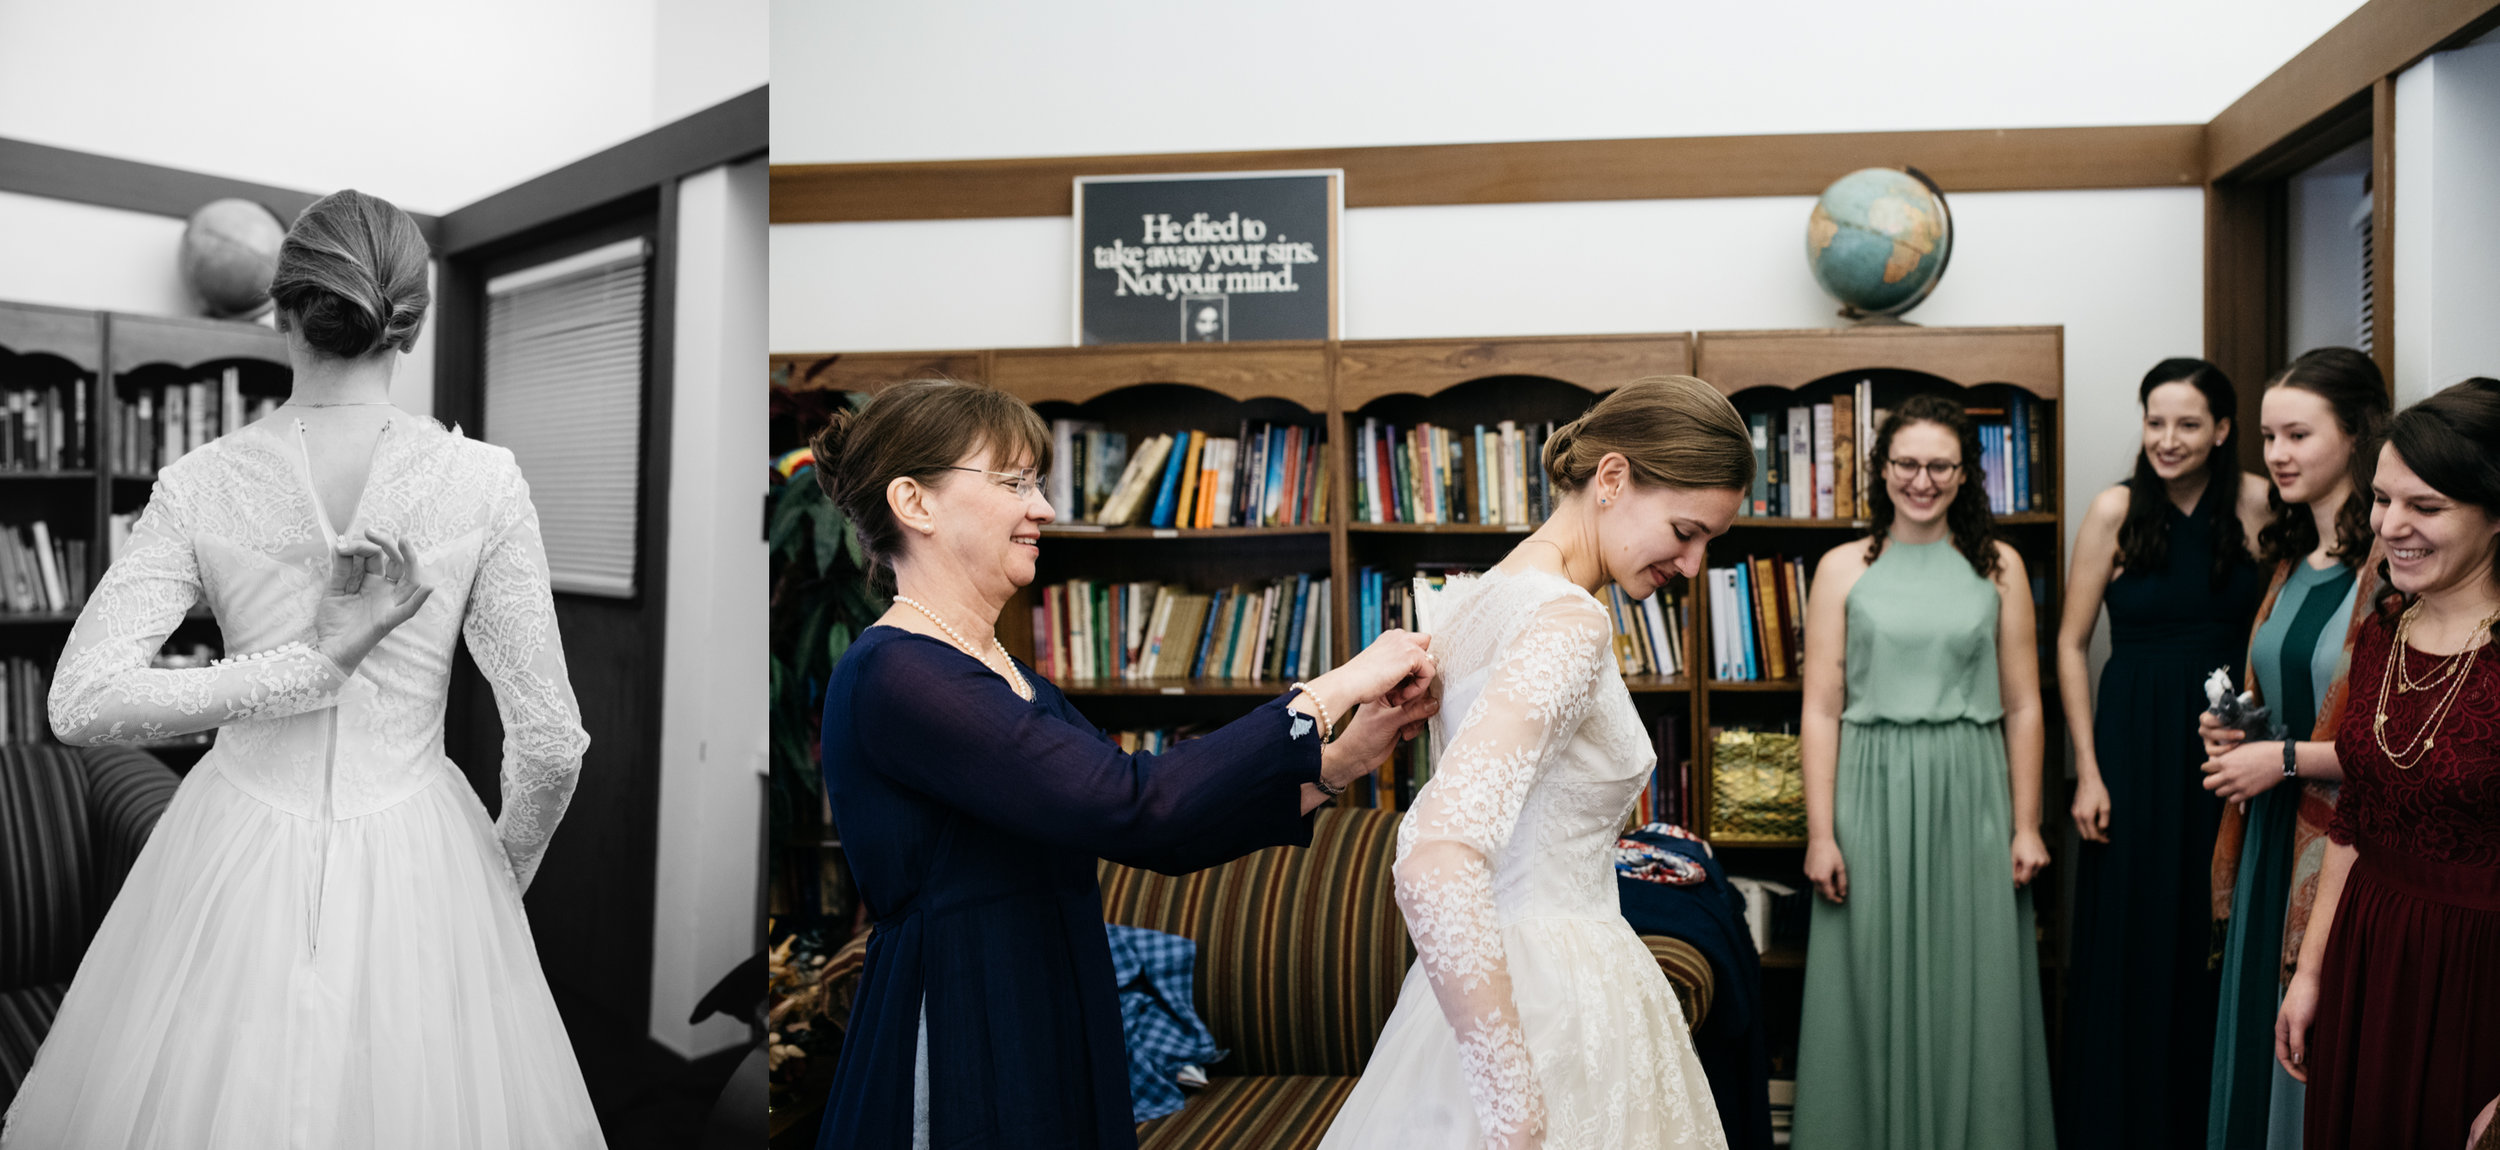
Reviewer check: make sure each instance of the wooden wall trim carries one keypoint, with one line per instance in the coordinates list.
(1986, 160)
(67, 174)
(2379, 39)
(732, 130)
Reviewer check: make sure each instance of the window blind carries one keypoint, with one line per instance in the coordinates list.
(565, 344)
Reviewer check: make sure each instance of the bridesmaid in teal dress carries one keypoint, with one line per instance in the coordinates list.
(1922, 744)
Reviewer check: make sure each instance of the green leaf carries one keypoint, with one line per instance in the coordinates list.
(829, 535)
(837, 640)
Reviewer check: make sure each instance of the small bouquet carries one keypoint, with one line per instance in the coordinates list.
(2242, 712)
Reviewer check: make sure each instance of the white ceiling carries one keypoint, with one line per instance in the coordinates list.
(433, 105)
(859, 80)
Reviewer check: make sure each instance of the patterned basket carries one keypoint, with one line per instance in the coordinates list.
(1758, 788)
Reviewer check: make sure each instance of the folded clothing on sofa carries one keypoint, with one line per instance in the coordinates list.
(1166, 1038)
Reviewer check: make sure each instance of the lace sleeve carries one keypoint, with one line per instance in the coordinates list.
(1540, 688)
(105, 691)
(511, 631)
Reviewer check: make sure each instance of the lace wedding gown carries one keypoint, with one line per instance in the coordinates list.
(1531, 1001)
(323, 943)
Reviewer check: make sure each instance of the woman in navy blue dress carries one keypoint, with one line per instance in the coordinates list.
(973, 799)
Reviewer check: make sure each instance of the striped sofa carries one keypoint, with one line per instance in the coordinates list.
(71, 824)
(1300, 957)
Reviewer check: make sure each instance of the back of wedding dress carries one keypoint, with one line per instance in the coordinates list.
(323, 942)
(1533, 1009)
(235, 525)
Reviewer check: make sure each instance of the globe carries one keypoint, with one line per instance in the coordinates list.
(229, 255)
(1878, 241)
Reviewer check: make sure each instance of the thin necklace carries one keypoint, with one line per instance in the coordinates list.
(344, 403)
(1015, 677)
(2428, 736)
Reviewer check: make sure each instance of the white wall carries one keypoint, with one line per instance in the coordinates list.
(2447, 220)
(430, 107)
(2323, 272)
(954, 79)
(713, 688)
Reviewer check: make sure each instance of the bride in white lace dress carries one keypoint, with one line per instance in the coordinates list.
(1534, 1016)
(323, 943)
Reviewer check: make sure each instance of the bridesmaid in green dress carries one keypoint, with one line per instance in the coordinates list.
(1922, 745)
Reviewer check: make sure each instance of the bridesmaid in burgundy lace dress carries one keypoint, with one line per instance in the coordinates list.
(2392, 1016)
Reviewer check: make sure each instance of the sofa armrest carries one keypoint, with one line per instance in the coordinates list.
(1688, 972)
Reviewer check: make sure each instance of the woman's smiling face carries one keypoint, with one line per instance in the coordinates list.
(1918, 453)
(1648, 535)
(2307, 451)
(985, 529)
(2433, 543)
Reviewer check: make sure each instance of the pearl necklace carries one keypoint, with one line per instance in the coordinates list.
(1015, 678)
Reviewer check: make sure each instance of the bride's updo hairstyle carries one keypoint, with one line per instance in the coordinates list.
(916, 430)
(1675, 430)
(351, 277)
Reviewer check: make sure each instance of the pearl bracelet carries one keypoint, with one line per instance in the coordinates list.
(277, 652)
(1324, 727)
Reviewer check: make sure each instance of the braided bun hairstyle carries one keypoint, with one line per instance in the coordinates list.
(351, 277)
(1675, 430)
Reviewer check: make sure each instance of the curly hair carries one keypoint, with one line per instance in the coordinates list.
(1973, 526)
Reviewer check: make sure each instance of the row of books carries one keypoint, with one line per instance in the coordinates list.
(40, 573)
(1757, 619)
(43, 429)
(1649, 633)
(23, 685)
(1268, 475)
(154, 426)
(1664, 800)
(1086, 630)
(1429, 474)
(1812, 461)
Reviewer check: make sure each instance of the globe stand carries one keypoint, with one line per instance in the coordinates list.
(1858, 318)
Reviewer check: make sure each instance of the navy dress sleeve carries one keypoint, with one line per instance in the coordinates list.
(938, 722)
(971, 821)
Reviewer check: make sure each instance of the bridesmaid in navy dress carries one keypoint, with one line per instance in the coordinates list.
(2167, 553)
(973, 799)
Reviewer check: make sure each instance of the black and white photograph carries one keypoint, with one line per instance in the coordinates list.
(380, 574)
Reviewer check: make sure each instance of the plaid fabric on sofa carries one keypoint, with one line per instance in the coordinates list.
(71, 824)
(1300, 957)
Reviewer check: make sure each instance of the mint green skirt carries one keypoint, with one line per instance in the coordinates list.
(1921, 1026)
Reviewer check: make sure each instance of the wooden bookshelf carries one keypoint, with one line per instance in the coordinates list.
(1455, 382)
(104, 354)
(1459, 382)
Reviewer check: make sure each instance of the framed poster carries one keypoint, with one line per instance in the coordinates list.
(1207, 257)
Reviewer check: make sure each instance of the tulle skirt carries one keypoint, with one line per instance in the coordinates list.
(1603, 1028)
(204, 1015)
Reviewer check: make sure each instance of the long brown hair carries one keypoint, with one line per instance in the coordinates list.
(915, 430)
(1675, 430)
(2144, 535)
(1973, 526)
(2354, 390)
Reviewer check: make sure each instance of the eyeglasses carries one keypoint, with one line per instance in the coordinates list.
(1938, 470)
(1024, 483)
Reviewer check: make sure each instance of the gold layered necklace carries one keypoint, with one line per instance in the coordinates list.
(2451, 671)
(1015, 678)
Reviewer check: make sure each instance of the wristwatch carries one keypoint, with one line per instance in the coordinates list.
(2291, 759)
